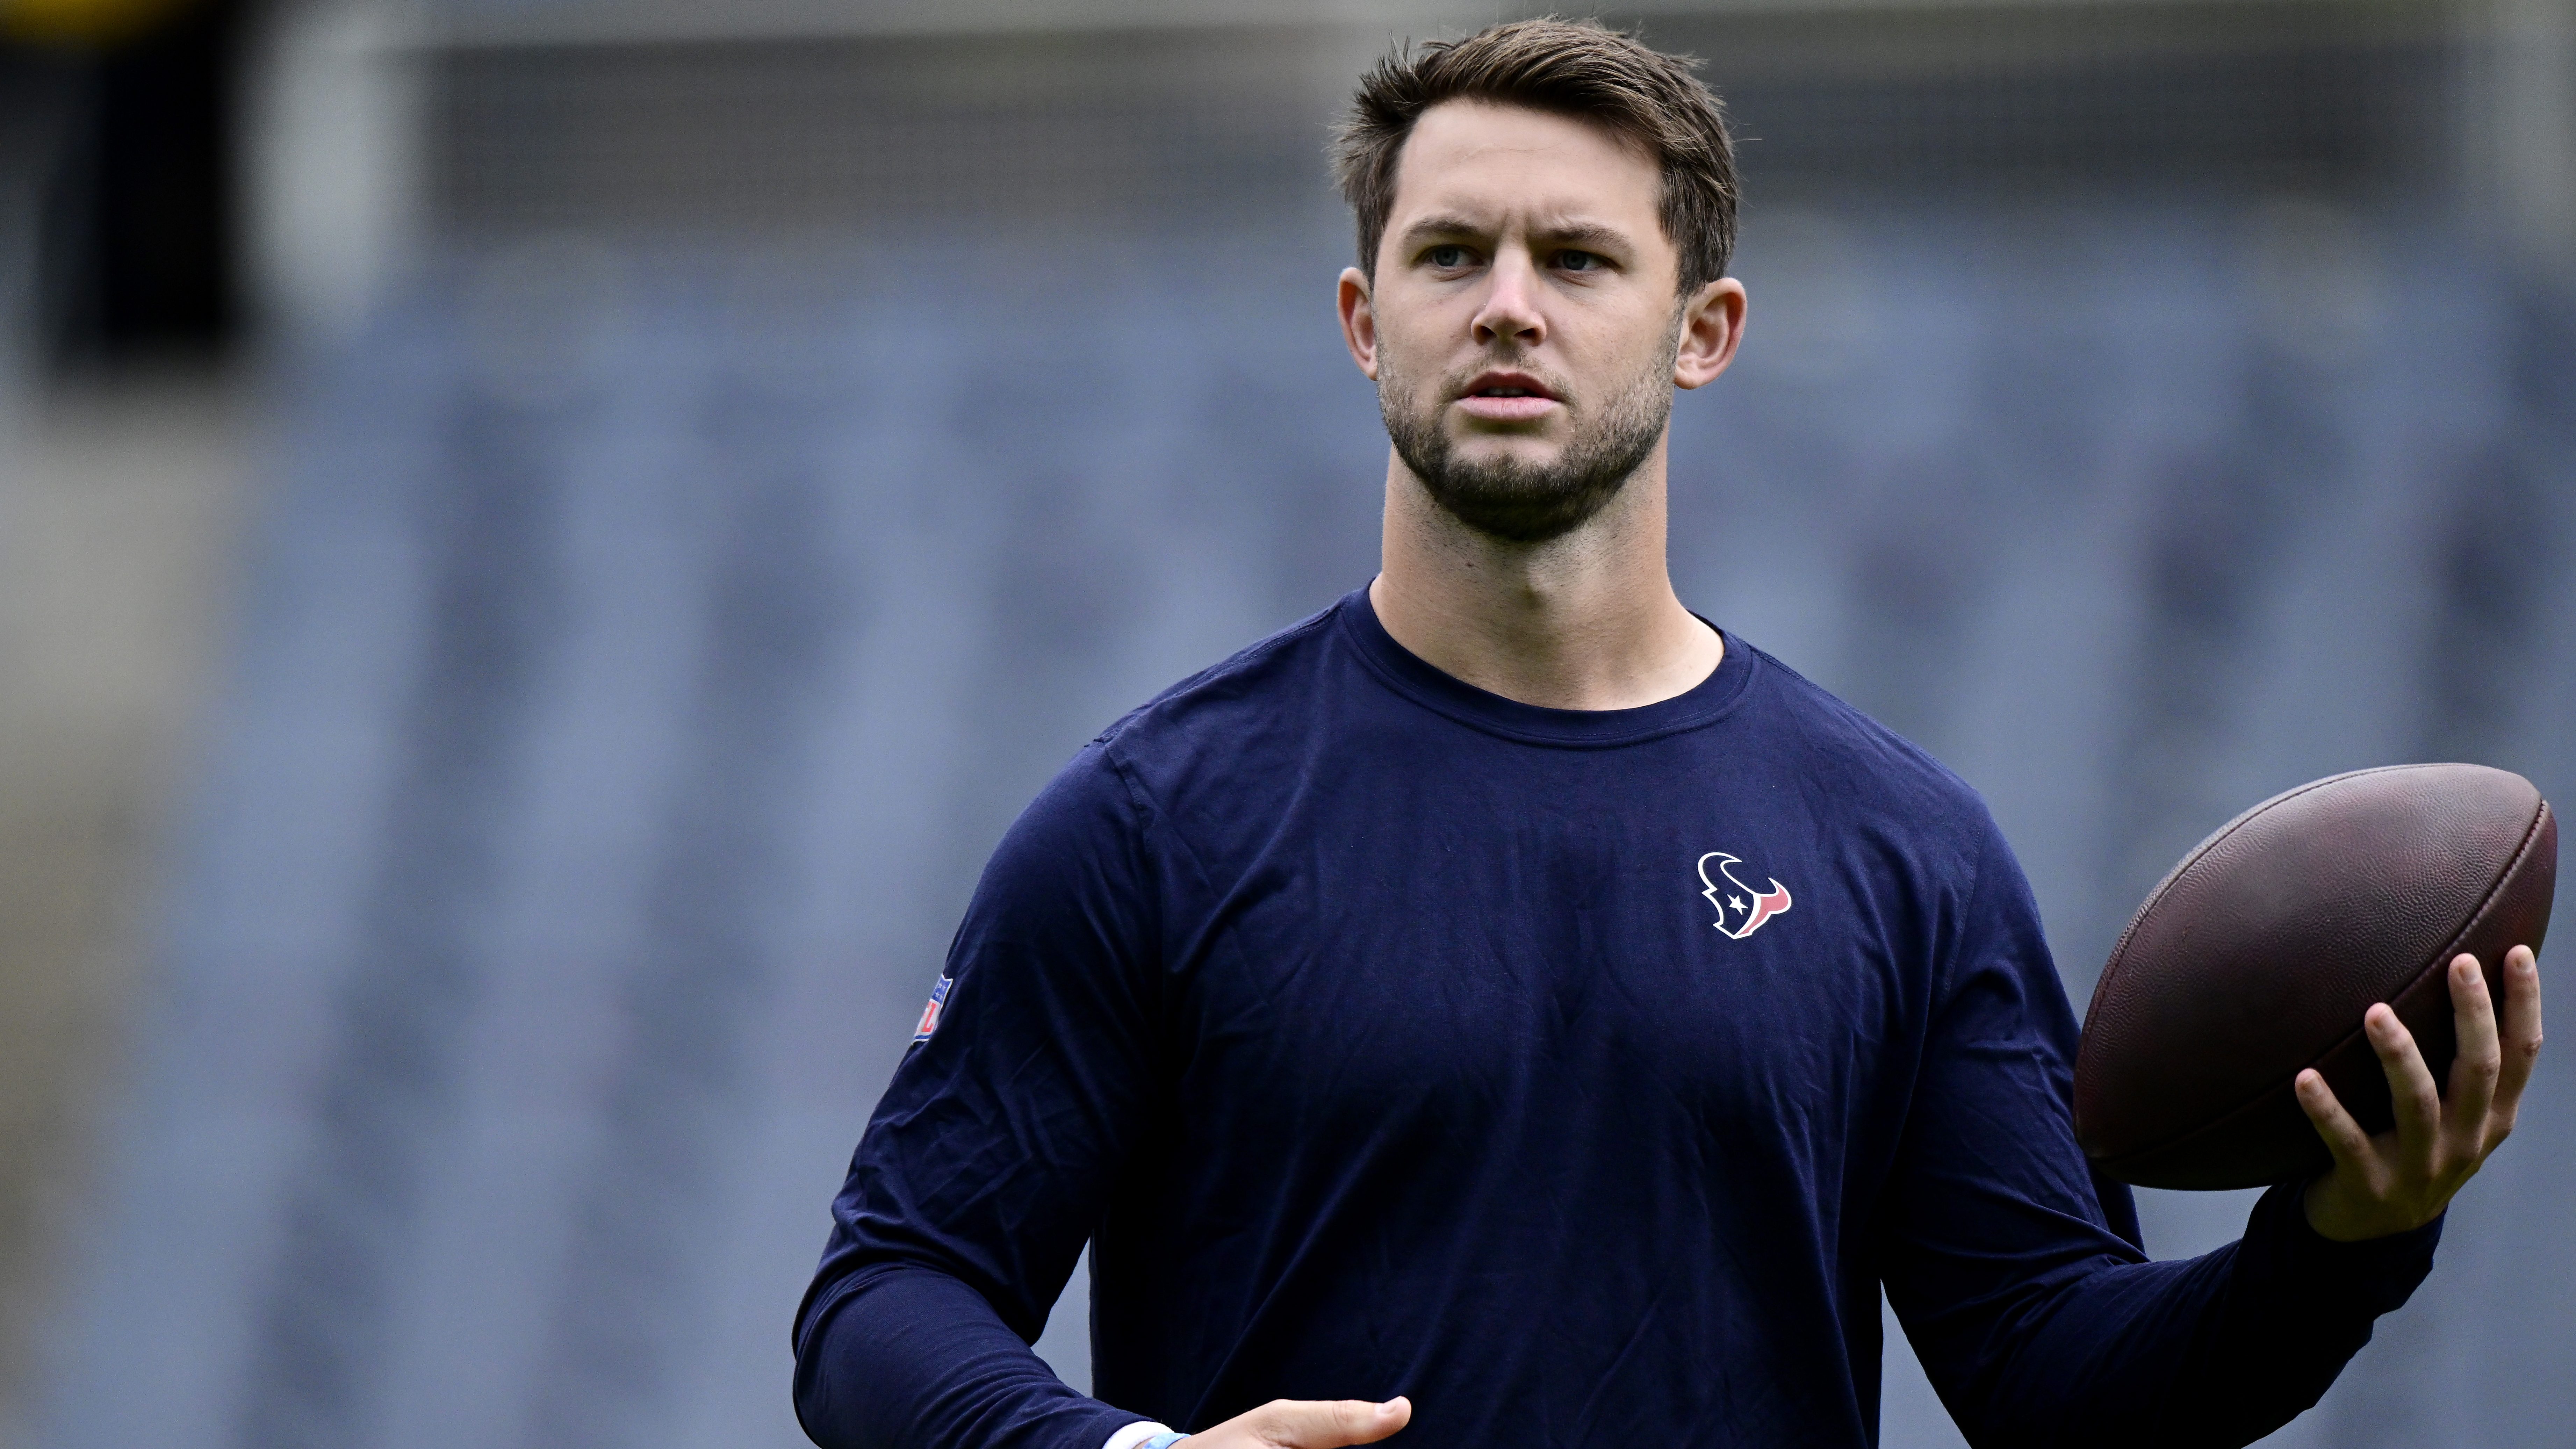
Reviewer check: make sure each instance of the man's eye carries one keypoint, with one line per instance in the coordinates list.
(1573, 261)
(1446, 258)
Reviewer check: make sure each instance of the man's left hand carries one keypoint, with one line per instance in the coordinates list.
(2404, 1177)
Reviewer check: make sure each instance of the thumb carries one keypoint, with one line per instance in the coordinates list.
(1332, 1423)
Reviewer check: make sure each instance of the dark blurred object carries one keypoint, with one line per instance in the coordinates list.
(126, 112)
(87, 22)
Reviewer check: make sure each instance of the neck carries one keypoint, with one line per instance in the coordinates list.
(1585, 621)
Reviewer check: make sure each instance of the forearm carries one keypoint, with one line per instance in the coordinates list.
(900, 1356)
(2212, 1353)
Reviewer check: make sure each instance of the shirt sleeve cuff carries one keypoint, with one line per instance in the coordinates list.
(1135, 1434)
(2369, 1278)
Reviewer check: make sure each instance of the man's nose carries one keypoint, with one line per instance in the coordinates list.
(1511, 313)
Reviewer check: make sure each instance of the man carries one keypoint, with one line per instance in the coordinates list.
(1504, 1005)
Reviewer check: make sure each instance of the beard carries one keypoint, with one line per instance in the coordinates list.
(1524, 502)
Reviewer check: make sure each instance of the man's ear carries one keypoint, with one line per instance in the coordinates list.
(1712, 323)
(1359, 320)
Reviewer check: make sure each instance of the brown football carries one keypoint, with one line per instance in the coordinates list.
(2257, 955)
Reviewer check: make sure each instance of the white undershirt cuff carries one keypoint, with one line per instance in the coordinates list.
(1135, 1434)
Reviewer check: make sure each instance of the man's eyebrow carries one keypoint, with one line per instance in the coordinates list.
(1445, 223)
(1587, 234)
(1579, 234)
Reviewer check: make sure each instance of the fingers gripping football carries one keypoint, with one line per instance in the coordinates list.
(2403, 1178)
(1306, 1424)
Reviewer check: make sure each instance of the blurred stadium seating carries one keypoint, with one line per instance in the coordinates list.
(769, 446)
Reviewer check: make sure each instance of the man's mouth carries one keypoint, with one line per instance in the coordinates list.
(1507, 397)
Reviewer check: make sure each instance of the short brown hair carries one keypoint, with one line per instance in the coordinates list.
(1577, 68)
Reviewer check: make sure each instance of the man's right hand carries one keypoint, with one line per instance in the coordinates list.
(1306, 1424)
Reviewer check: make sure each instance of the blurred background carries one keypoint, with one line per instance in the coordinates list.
(542, 543)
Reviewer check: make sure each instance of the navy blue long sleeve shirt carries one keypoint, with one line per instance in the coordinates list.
(1581, 1075)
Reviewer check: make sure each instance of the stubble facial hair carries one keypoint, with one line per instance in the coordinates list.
(1516, 501)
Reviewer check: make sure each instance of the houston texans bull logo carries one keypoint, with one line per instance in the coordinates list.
(1736, 901)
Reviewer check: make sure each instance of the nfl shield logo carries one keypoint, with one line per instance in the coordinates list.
(930, 1013)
